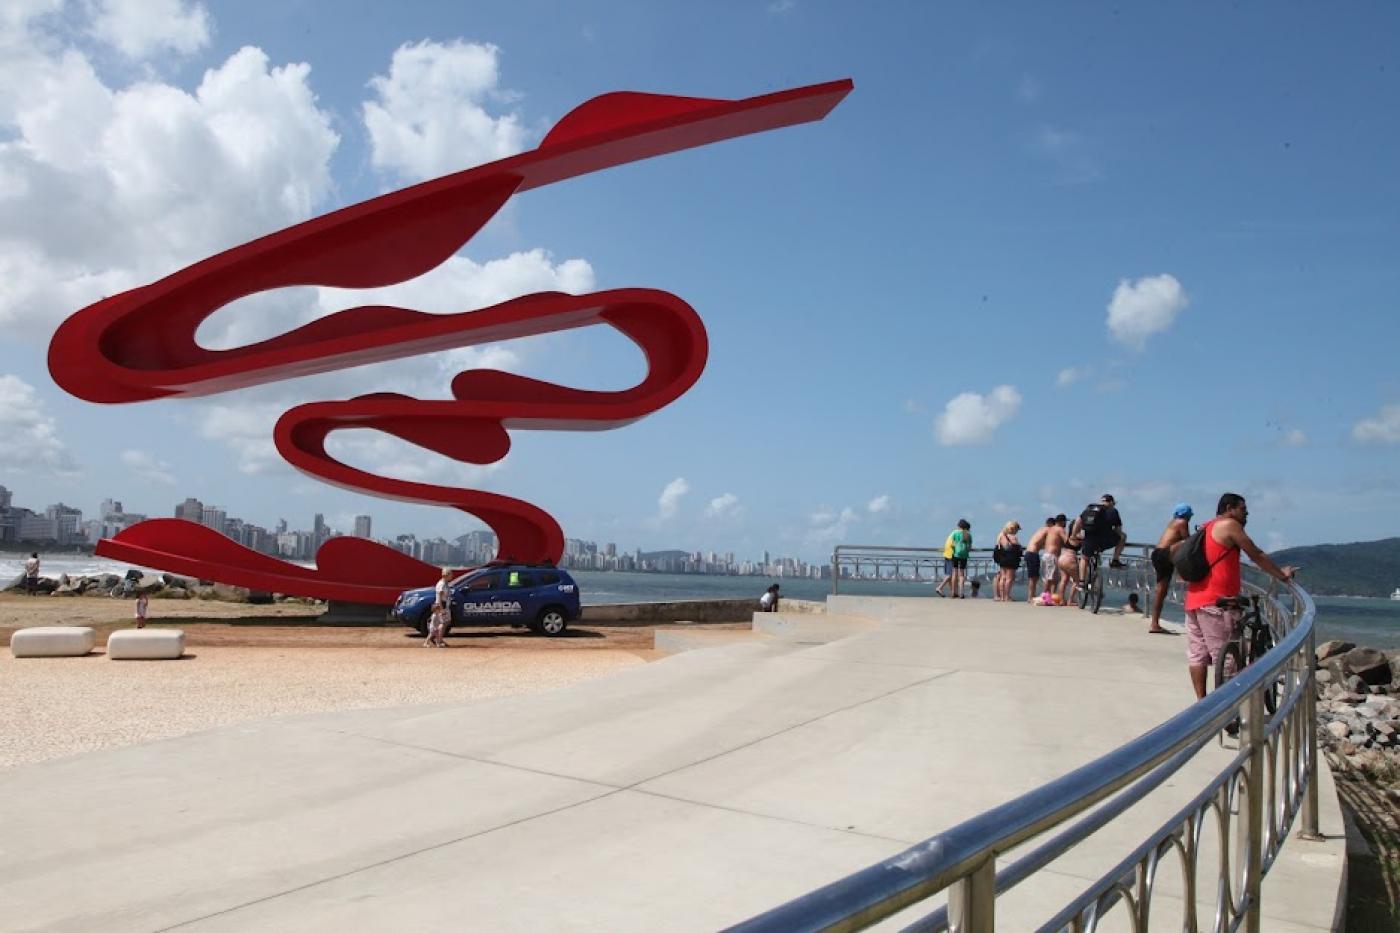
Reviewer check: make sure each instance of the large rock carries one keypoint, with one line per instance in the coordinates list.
(230, 593)
(1330, 649)
(1370, 665)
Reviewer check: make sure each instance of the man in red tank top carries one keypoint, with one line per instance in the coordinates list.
(1209, 627)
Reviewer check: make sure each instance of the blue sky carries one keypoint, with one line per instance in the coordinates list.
(1042, 251)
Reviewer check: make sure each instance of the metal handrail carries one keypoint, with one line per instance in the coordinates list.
(1280, 750)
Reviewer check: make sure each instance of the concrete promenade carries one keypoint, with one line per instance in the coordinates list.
(686, 794)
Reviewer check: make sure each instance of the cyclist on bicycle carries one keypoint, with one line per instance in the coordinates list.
(1209, 626)
(1102, 529)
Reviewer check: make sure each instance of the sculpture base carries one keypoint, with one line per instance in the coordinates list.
(364, 614)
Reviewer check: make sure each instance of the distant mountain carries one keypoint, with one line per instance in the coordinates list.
(1366, 568)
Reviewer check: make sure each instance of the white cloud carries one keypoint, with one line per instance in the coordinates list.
(1070, 152)
(1295, 438)
(428, 117)
(246, 428)
(1143, 308)
(1072, 374)
(1384, 428)
(724, 506)
(102, 189)
(670, 499)
(828, 527)
(913, 407)
(878, 504)
(1029, 89)
(971, 418)
(148, 467)
(139, 28)
(31, 437)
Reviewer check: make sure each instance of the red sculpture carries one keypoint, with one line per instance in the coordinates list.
(140, 344)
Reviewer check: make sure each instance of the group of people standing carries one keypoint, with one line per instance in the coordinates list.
(1058, 553)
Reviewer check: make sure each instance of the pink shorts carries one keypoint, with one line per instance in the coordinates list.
(1207, 629)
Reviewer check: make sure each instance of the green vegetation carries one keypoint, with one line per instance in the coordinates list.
(1366, 568)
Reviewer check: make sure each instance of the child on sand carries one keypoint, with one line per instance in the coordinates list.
(141, 603)
(437, 625)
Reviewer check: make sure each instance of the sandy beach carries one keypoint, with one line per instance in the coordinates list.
(246, 662)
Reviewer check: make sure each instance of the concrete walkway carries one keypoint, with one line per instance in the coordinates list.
(684, 795)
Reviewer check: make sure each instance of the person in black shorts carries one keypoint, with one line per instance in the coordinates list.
(1102, 529)
(1177, 530)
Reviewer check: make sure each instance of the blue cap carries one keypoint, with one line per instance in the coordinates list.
(1182, 510)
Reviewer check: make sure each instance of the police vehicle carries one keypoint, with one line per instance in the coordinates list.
(542, 599)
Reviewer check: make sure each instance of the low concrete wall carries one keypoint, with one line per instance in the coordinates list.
(681, 610)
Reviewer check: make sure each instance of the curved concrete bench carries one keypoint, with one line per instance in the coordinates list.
(52, 641)
(147, 644)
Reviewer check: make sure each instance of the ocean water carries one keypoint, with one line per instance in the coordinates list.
(1373, 622)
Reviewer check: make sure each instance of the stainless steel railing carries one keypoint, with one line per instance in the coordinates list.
(1254, 799)
(901, 564)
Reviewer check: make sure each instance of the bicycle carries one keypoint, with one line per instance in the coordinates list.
(1250, 639)
(1091, 587)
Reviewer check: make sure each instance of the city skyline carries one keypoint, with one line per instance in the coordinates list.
(63, 525)
(996, 282)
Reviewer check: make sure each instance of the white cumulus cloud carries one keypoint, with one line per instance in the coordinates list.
(105, 188)
(147, 467)
(139, 28)
(1072, 374)
(1143, 308)
(1384, 428)
(724, 506)
(671, 496)
(827, 527)
(1295, 438)
(971, 418)
(878, 504)
(429, 114)
(31, 437)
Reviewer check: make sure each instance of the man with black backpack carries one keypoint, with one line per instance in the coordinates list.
(1221, 540)
(1102, 529)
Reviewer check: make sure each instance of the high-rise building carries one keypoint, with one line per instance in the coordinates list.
(191, 510)
(319, 532)
(362, 525)
(108, 508)
(215, 518)
(5, 495)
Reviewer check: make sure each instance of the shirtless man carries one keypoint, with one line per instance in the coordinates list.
(1177, 530)
(1033, 564)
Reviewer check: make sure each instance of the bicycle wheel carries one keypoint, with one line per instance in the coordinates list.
(1081, 594)
(1259, 646)
(1228, 663)
(1096, 593)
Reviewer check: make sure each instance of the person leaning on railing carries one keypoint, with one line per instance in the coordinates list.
(1208, 626)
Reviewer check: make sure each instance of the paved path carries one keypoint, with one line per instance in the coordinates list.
(683, 795)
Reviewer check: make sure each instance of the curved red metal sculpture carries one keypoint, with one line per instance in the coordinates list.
(140, 345)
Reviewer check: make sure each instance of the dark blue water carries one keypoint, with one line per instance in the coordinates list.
(1372, 622)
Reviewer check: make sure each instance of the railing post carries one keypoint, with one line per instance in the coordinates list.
(835, 569)
(1252, 851)
(1309, 713)
(972, 900)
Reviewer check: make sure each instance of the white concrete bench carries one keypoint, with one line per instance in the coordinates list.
(52, 641)
(146, 644)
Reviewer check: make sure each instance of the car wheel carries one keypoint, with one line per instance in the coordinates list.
(551, 622)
